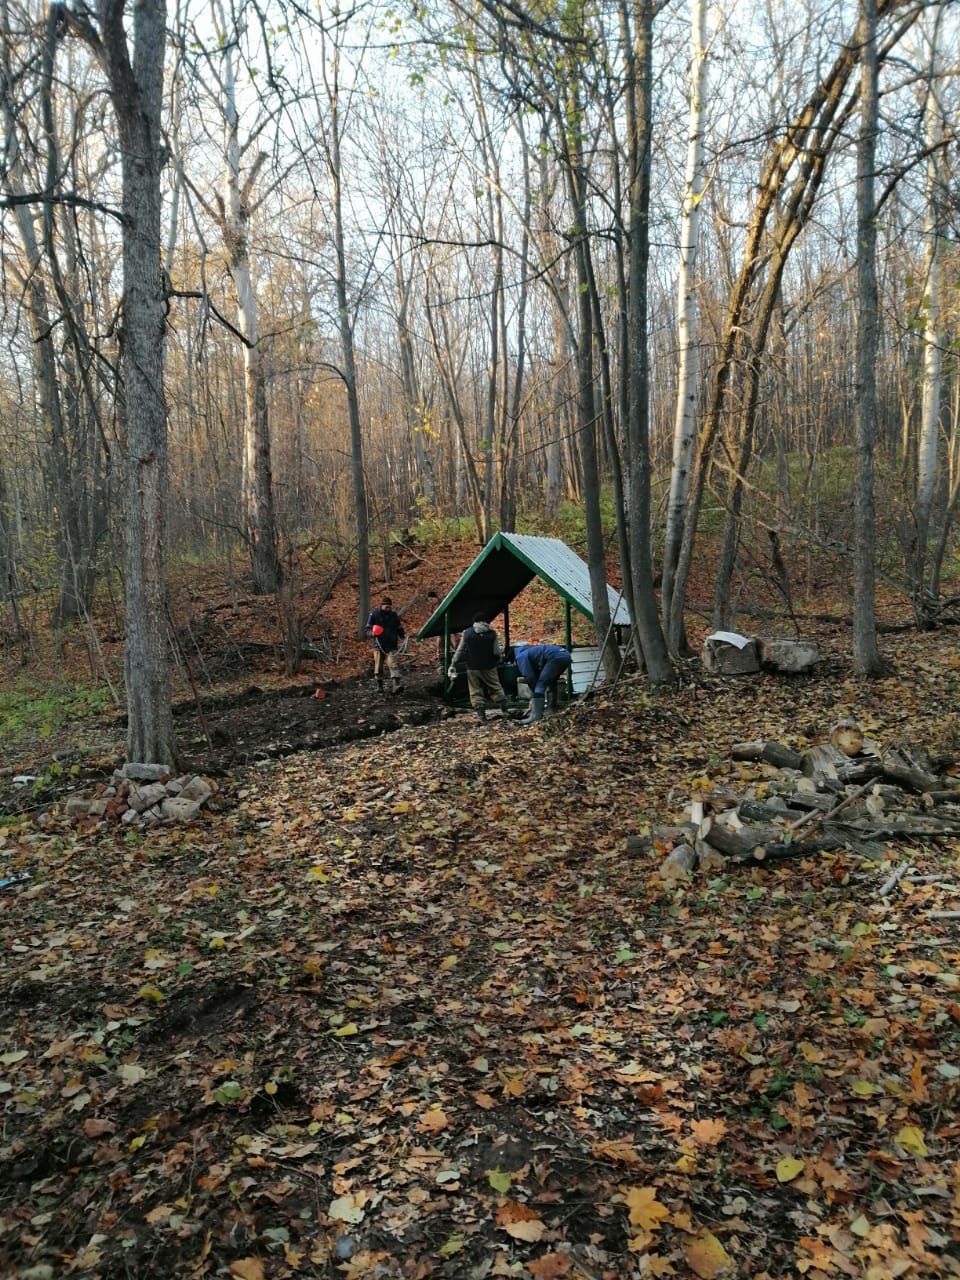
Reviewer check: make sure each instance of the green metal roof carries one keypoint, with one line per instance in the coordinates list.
(506, 565)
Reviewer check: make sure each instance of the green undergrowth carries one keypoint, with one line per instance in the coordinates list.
(38, 711)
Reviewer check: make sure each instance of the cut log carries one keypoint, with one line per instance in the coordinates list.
(782, 757)
(789, 657)
(809, 819)
(821, 763)
(847, 736)
(660, 836)
(678, 864)
(746, 750)
(902, 767)
(760, 811)
(798, 799)
(739, 844)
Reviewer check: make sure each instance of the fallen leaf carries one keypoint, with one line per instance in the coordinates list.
(550, 1266)
(617, 1150)
(347, 1209)
(911, 1139)
(452, 1245)
(94, 1128)
(708, 1132)
(706, 1255)
(247, 1268)
(434, 1121)
(789, 1168)
(530, 1231)
(645, 1210)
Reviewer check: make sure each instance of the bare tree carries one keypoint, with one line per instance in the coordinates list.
(866, 655)
(133, 66)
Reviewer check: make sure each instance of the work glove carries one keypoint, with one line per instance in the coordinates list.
(452, 673)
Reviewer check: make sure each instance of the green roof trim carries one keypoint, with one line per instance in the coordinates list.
(505, 567)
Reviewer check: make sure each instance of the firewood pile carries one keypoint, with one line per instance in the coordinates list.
(847, 793)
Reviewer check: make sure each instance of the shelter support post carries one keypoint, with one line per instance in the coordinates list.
(447, 684)
(506, 628)
(568, 641)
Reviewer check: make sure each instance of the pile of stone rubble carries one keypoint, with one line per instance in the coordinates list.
(142, 794)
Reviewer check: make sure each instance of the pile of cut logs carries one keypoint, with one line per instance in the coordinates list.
(847, 793)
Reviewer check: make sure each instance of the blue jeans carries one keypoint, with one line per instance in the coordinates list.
(550, 674)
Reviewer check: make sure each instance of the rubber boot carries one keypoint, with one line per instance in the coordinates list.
(481, 714)
(553, 699)
(379, 680)
(397, 684)
(536, 710)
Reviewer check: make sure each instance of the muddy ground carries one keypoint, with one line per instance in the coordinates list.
(225, 732)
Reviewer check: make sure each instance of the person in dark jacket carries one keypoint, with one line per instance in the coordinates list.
(480, 648)
(541, 665)
(384, 630)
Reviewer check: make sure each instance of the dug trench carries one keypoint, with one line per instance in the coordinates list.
(261, 724)
(224, 732)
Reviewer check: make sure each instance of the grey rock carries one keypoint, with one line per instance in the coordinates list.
(197, 789)
(145, 772)
(77, 806)
(97, 808)
(143, 798)
(110, 791)
(129, 816)
(174, 788)
(789, 656)
(180, 809)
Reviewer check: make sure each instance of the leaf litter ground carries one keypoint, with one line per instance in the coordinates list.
(407, 1008)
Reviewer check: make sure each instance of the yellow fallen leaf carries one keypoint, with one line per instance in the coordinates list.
(788, 1168)
(864, 1089)
(348, 1029)
(645, 1210)
(150, 992)
(860, 1227)
(911, 1139)
(706, 1256)
(448, 962)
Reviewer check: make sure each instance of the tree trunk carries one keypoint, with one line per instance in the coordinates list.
(687, 309)
(866, 655)
(135, 90)
(646, 618)
(357, 470)
(932, 341)
(576, 175)
(259, 517)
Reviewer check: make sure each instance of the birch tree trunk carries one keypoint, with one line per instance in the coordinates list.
(932, 342)
(687, 309)
(866, 655)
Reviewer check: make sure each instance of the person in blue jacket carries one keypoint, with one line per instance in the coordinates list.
(541, 665)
